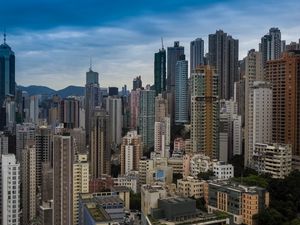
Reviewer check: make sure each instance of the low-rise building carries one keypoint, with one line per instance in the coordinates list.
(178, 210)
(241, 202)
(190, 187)
(222, 170)
(101, 208)
(129, 180)
(274, 159)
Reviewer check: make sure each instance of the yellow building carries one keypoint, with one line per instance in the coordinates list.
(80, 181)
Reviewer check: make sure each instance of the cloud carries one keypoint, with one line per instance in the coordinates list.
(122, 45)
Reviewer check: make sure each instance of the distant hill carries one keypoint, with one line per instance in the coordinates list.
(42, 90)
(71, 90)
(37, 90)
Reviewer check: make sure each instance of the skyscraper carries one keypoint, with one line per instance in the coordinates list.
(100, 144)
(137, 83)
(7, 77)
(181, 91)
(270, 45)
(114, 109)
(134, 108)
(173, 55)
(205, 111)
(63, 158)
(160, 71)
(284, 74)
(196, 53)
(10, 190)
(223, 55)
(147, 117)
(131, 152)
(92, 99)
(29, 185)
(69, 113)
(253, 72)
(43, 151)
(80, 182)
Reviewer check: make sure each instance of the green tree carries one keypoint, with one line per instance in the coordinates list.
(205, 175)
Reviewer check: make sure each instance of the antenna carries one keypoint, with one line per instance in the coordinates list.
(162, 42)
(4, 36)
(91, 63)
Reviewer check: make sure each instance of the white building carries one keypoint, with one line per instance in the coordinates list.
(275, 159)
(262, 113)
(162, 137)
(199, 163)
(129, 180)
(223, 171)
(237, 135)
(10, 190)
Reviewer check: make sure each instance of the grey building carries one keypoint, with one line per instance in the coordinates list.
(196, 53)
(92, 99)
(173, 55)
(181, 91)
(147, 117)
(223, 55)
(271, 45)
(7, 78)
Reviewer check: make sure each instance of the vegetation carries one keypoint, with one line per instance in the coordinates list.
(284, 198)
(205, 175)
(176, 176)
(135, 201)
(200, 204)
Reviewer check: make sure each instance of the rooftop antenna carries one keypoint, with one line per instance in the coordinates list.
(4, 35)
(162, 42)
(91, 64)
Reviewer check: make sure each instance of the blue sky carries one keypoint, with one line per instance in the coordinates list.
(54, 39)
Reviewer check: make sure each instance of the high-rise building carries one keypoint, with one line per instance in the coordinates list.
(29, 186)
(137, 83)
(7, 77)
(113, 91)
(160, 71)
(253, 72)
(196, 53)
(205, 111)
(25, 134)
(283, 74)
(100, 144)
(63, 158)
(161, 108)
(69, 113)
(43, 150)
(114, 109)
(3, 144)
(223, 55)
(181, 91)
(34, 109)
(147, 117)
(162, 136)
(131, 152)
(134, 108)
(10, 190)
(80, 182)
(262, 112)
(270, 45)
(237, 135)
(92, 99)
(173, 55)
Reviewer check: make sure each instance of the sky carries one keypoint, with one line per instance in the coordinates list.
(53, 40)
